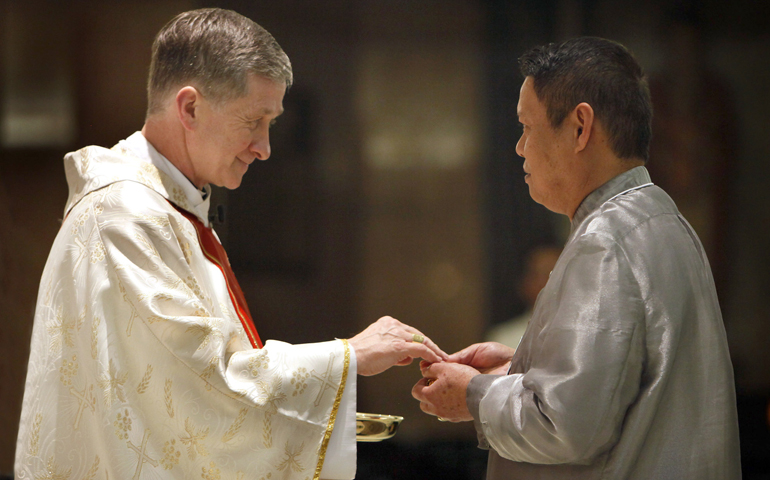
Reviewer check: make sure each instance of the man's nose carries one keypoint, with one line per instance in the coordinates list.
(520, 147)
(260, 145)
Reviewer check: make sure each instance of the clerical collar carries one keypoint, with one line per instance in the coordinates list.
(200, 199)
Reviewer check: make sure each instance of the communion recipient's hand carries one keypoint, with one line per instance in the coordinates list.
(441, 391)
(388, 342)
(489, 357)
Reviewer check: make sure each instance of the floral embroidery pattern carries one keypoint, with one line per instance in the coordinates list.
(122, 425)
(259, 360)
(299, 380)
(68, 369)
(97, 255)
(213, 473)
(170, 455)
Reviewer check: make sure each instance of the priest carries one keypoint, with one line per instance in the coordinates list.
(145, 362)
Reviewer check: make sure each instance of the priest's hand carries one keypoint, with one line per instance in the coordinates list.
(441, 391)
(489, 357)
(388, 342)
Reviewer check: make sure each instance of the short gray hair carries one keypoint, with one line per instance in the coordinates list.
(215, 50)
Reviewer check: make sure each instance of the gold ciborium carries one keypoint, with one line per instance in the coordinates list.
(372, 427)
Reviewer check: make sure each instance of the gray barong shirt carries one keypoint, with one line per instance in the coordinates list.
(624, 371)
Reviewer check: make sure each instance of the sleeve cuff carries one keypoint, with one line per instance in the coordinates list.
(477, 388)
(340, 462)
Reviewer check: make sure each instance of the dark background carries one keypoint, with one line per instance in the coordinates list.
(394, 187)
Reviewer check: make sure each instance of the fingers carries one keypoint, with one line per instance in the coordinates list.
(465, 355)
(412, 335)
(419, 389)
(420, 350)
(416, 336)
(405, 362)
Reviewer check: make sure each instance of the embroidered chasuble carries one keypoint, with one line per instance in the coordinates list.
(142, 360)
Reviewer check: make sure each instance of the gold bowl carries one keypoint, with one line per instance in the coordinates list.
(371, 427)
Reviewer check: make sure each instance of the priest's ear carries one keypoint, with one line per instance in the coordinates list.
(187, 106)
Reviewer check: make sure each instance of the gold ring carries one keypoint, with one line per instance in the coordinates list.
(442, 419)
(416, 337)
(429, 382)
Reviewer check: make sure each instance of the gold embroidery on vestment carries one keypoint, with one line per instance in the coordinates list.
(206, 330)
(94, 336)
(60, 331)
(148, 246)
(68, 369)
(97, 254)
(270, 395)
(335, 409)
(34, 440)
(170, 455)
(169, 400)
(111, 383)
(52, 472)
(142, 454)
(122, 425)
(209, 371)
(325, 379)
(258, 360)
(94, 468)
(194, 439)
(145, 383)
(299, 380)
(213, 473)
(236, 426)
(86, 399)
(291, 461)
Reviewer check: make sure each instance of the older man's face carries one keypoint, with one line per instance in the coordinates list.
(234, 134)
(546, 154)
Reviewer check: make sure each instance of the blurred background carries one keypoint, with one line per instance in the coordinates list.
(394, 188)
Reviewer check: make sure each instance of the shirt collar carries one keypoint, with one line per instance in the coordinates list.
(629, 179)
(142, 149)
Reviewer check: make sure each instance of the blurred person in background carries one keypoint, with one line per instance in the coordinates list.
(537, 268)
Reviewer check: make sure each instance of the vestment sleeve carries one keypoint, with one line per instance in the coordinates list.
(570, 403)
(180, 310)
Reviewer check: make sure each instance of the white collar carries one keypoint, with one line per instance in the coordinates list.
(138, 146)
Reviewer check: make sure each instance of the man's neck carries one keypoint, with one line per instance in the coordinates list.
(168, 139)
(604, 170)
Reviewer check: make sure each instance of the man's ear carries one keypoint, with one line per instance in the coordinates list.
(583, 119)
(187, 104)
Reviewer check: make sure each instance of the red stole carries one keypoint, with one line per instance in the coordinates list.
(215, 252)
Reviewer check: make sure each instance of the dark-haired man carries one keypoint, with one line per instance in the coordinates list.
(145, 362)
(624, 370)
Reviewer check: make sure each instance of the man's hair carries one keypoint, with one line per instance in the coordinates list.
(214, 50)
(603, 74)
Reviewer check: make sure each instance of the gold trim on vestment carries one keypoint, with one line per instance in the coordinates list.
(333, 415)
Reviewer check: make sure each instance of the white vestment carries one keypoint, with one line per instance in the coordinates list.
(139, 365)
